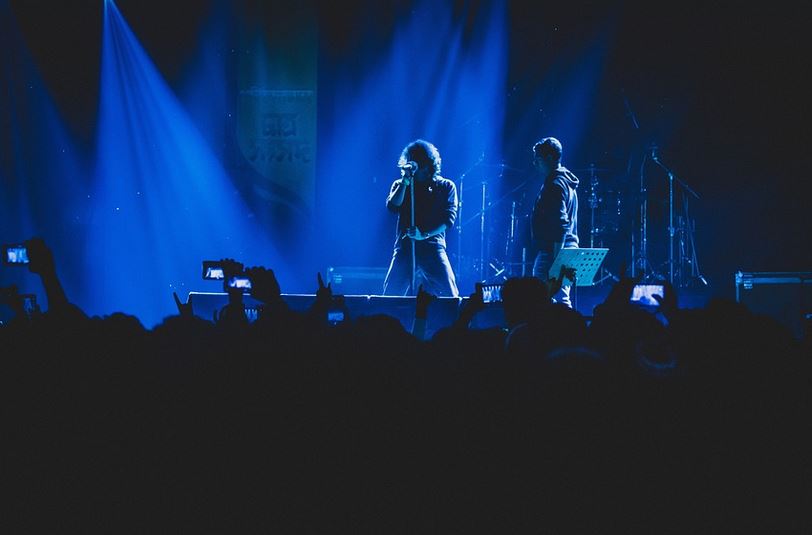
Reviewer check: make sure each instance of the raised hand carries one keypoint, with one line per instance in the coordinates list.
(424, 299)
(325, 293)
(41, 262)
(231, 268)
(668, 301)
(41, 259)
(621, 292)
(184, 309)
(264, 286)
(472, 306)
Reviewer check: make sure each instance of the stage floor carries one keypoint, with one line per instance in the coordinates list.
(441, 313)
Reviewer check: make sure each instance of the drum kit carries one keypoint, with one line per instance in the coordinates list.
(611, 214)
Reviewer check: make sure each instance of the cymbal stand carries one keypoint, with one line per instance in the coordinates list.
(511, 241)
(689, 229)
(593, 203)
(640, 261)
(459, 270)
(682, 255)
(481, 264)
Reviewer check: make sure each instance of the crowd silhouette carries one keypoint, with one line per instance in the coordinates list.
(686, 421)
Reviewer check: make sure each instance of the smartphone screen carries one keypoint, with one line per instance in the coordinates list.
(335, 316)
(16, 254)
(491, 293)
(644, 294)
(243, 283)
(212, 270)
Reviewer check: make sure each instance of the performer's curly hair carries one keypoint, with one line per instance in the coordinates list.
(422, 152)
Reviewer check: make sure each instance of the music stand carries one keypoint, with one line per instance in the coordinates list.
(586, 262)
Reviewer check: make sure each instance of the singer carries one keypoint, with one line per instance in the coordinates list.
(426, 206)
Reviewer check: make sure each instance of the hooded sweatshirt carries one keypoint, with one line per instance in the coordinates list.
(555, 213)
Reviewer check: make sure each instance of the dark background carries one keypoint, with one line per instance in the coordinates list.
(721, 91)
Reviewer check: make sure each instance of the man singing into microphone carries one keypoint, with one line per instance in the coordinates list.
(420, 248)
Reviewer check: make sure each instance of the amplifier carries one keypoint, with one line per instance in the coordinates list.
(785, 296)
(355, 280)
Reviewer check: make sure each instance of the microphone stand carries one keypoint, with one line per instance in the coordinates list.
(411, 224)
(671, 179)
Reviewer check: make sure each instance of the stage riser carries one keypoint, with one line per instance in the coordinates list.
(442, 312)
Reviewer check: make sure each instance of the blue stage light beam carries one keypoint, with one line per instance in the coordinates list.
(162, 200)
(42, 170)
(563, 106)
(441, 77)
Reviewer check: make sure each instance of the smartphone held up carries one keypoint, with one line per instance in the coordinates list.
(490, 293)
(643, 294)
(15, 254)
(213, 270)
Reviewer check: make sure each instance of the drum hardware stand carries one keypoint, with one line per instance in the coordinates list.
(484, 207)
(481, 216)
(510, 244)
(593, 204)
(459, 214)
(687, 226)
(640, 261)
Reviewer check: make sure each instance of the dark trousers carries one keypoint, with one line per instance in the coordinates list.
(432, 270)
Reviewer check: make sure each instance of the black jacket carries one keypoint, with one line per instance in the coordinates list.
(435, 203)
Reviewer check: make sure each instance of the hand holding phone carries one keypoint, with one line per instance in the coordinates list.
(490, 293)
(643, 294)
(239, 282)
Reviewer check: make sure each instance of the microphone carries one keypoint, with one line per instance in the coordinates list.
(409, 166)
(653, 150)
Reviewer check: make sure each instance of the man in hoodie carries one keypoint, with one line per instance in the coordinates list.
(555, 213)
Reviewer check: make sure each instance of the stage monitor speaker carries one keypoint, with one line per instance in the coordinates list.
(784, 296)
(355, 280)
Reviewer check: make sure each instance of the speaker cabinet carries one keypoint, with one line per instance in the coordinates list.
(354, 280)
(784, 296)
